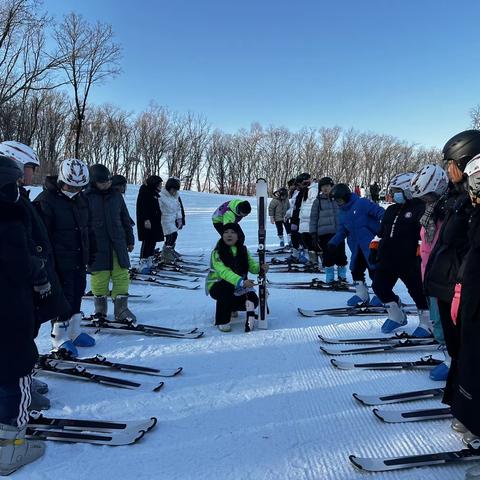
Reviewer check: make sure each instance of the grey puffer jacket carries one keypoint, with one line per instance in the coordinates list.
(111, 224)
(278, 208)
(324, 216)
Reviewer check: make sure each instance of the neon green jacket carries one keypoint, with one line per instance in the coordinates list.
(227, 212)
(219, 271)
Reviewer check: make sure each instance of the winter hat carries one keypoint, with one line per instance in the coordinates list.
(9, 174)
(244, 208)
(341, 191)
(326, 181)
(153, 181)
(237, 229)
(99, 174)
(118, 180)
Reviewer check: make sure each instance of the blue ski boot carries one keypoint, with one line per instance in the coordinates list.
(342, 274)
(61, 338)
(329, 274)
(396, 317)
(361, 296)
(79, 338)
(425, 327)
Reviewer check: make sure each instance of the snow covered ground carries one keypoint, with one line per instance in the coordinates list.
(263, 405)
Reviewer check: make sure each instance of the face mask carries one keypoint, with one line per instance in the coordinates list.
(69, 194)
(398, 197)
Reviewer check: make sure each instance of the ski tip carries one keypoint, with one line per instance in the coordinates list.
(322, 338)
(334, 362)
(376, 412)
(356, 396)
(354, 461)
(179, 370)
(158, 387)
(154, 423)
(140, 435)
(199, 335)
(324, 350)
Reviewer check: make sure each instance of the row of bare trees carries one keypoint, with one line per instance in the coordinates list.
(44, 102)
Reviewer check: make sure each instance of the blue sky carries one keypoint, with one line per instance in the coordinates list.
(408, 68)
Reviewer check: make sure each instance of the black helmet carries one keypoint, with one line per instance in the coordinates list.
(172, 182)
(341, 191)
(118, 180)
(244, 208)
(326, 181)
(154, 181)
(9, 174)
(462, 147)
(99, 174)
(303, 177)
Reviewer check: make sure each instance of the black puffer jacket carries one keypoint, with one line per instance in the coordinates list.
(444, 262)
(400, 234)
(148, 208)
(56, 304)
(18, 267)
(111, 224)
(67, 223)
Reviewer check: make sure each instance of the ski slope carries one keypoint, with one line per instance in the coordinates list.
(264, 405)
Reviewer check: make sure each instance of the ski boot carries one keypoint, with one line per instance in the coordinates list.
(425, 326)
(145, 266)
(396, 317)
(177, 255)
(38, 401)
(302, 258)
(312, 259)
(361, 297)
(342, 274)
(293, 258)
(329, 275)
(101, 306)
(61, 338)
(168, 255)
(122, 312)
(16, 450)
(79, 338)
(375, 302)
(469, 437)
(281, 240)
(225, 328)
(440, 372)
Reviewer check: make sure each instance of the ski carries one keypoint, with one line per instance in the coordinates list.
(98, 438)
(90, 296)
(149, 330)
(138, 278)
(161, 276)
(411, 396)
(413, 415)
(412, 461)
(81, 373)
(278, 251)
(100, 361)
(262, 197)
(350, 312)
(418, 344)
(295, 269)
(424, 362)
(317, 285)
(391, 338)
(38, 420)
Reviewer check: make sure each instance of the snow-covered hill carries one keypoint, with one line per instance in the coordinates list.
(264, 405)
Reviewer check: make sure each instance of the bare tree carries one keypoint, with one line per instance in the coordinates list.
(91, 57)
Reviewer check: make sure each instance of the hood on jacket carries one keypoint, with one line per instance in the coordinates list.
(51, 183)
(353, 198)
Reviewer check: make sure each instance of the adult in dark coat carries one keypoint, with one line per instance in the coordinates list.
(65, 212)
(149, 216)
(453, 244)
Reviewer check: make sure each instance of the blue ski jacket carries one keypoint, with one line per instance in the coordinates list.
(359, 221)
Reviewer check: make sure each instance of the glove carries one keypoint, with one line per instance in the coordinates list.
(148, 224)
(293, 227)
(456, 302)
(43, 289)
(372, 257)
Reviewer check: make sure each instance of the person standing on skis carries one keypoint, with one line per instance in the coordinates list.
(172, 218)
(359, 222)
(395, 253)
(323, 225)
(277, 210)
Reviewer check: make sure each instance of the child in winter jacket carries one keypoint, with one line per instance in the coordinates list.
(114, 240)
(323, 225)
(277, 210)
(228, 281)
(230, 212)
(172, 218)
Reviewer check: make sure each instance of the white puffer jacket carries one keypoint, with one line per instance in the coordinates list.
(306, 208)
(171, 211)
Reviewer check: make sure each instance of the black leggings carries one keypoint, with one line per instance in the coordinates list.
(148, 248)
(280, 226)
(227, 302)
(307, 241)
(170, 239)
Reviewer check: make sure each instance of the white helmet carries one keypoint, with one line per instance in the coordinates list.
(19, 152)
(472, 170)
(402, 182)
(73, 172)
(429, 179)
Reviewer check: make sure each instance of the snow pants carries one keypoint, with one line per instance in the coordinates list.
(338, 258)
(227, 302)
(73, 284)
(171, 239)
(385, 279)
(280, 225)
(14, 401)
(100, 281)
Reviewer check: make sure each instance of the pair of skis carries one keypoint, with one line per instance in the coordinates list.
(104, 325)
(79, 372)
(152, 280)
(100, 432)
(99, 361)
(359, 310)
(173, 277)
(314, 284)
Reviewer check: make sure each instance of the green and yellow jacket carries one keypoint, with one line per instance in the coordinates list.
(227, 212)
